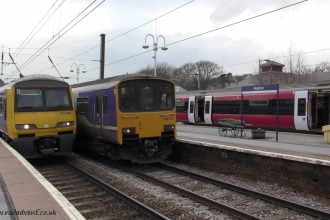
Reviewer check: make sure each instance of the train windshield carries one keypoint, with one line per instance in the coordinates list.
(146, 95)
(29, 100)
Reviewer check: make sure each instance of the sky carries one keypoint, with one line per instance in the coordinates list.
(304, 28)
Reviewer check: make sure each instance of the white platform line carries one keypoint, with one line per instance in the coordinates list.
(68, 208)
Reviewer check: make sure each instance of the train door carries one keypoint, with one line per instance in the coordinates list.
(191, 109)
(300, 110)
(321, 108)
(199, 109)
(208, 110)
(99, 116)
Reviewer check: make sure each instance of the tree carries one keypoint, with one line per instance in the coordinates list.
(207, 71)
(199, 75)
(190, 76)
(296, 68)
(184, 76)
(164, 70)
(322, 67)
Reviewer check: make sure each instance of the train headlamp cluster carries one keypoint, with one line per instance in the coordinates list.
(25, 126)
(168, 128)
(65, 124)
(128, 131)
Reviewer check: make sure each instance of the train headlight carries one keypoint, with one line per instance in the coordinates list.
(169, 128)
(65, 124)
(128, 131)
(25, 126)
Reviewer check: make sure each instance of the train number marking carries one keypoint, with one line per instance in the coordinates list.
(65, 113)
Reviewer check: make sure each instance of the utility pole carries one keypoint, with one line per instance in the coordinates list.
(20, 73)
(102, 56)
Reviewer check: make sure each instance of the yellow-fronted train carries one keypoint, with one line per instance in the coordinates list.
(129, 117)
(37, 116)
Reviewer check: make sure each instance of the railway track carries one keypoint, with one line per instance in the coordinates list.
(231, 199)
(92, 197)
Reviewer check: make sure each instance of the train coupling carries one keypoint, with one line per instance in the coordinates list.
(47, 145)
(150, 147)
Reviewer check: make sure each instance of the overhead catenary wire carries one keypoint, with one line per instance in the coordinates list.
(278, 57)
(210, 31)
(148, 22)
(122, 34)
(60, 34)
(237, 22)
(57, 57)
(206, 32)
(34, 31)
(120, 60)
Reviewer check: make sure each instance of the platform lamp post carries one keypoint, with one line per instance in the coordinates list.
(155, 48)
(78, 68)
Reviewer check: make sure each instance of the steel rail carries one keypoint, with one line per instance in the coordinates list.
(263, 196)
(124, 197)
(206, 201)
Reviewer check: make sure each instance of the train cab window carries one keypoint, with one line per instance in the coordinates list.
(207, 107)
(82, 105)
(57, 98)
(146, 98)
(45, 99)
(166, 96)
(29, 98)
(146, 95)
(301, 107)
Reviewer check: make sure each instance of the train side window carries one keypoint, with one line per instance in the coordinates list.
(301, 107)
(105, 104)
(82, 105)
(191, 107)
(181, 106)
(97, 104)
(207, 107)
(226, 107)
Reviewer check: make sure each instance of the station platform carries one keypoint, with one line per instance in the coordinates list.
(26, 194)
(307, 148)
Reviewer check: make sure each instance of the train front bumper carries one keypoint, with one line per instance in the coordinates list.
(41, 146)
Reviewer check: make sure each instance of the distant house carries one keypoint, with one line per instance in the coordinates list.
(271, 66)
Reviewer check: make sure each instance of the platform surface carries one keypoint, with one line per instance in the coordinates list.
(296, 146)
(32, 195)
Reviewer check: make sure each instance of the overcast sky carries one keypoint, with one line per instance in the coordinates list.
(304, 27)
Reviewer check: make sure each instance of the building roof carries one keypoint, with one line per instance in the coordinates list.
(271, 63)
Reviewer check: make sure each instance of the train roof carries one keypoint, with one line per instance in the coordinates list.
(234, 90)
(34, 77)
(111, 81)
